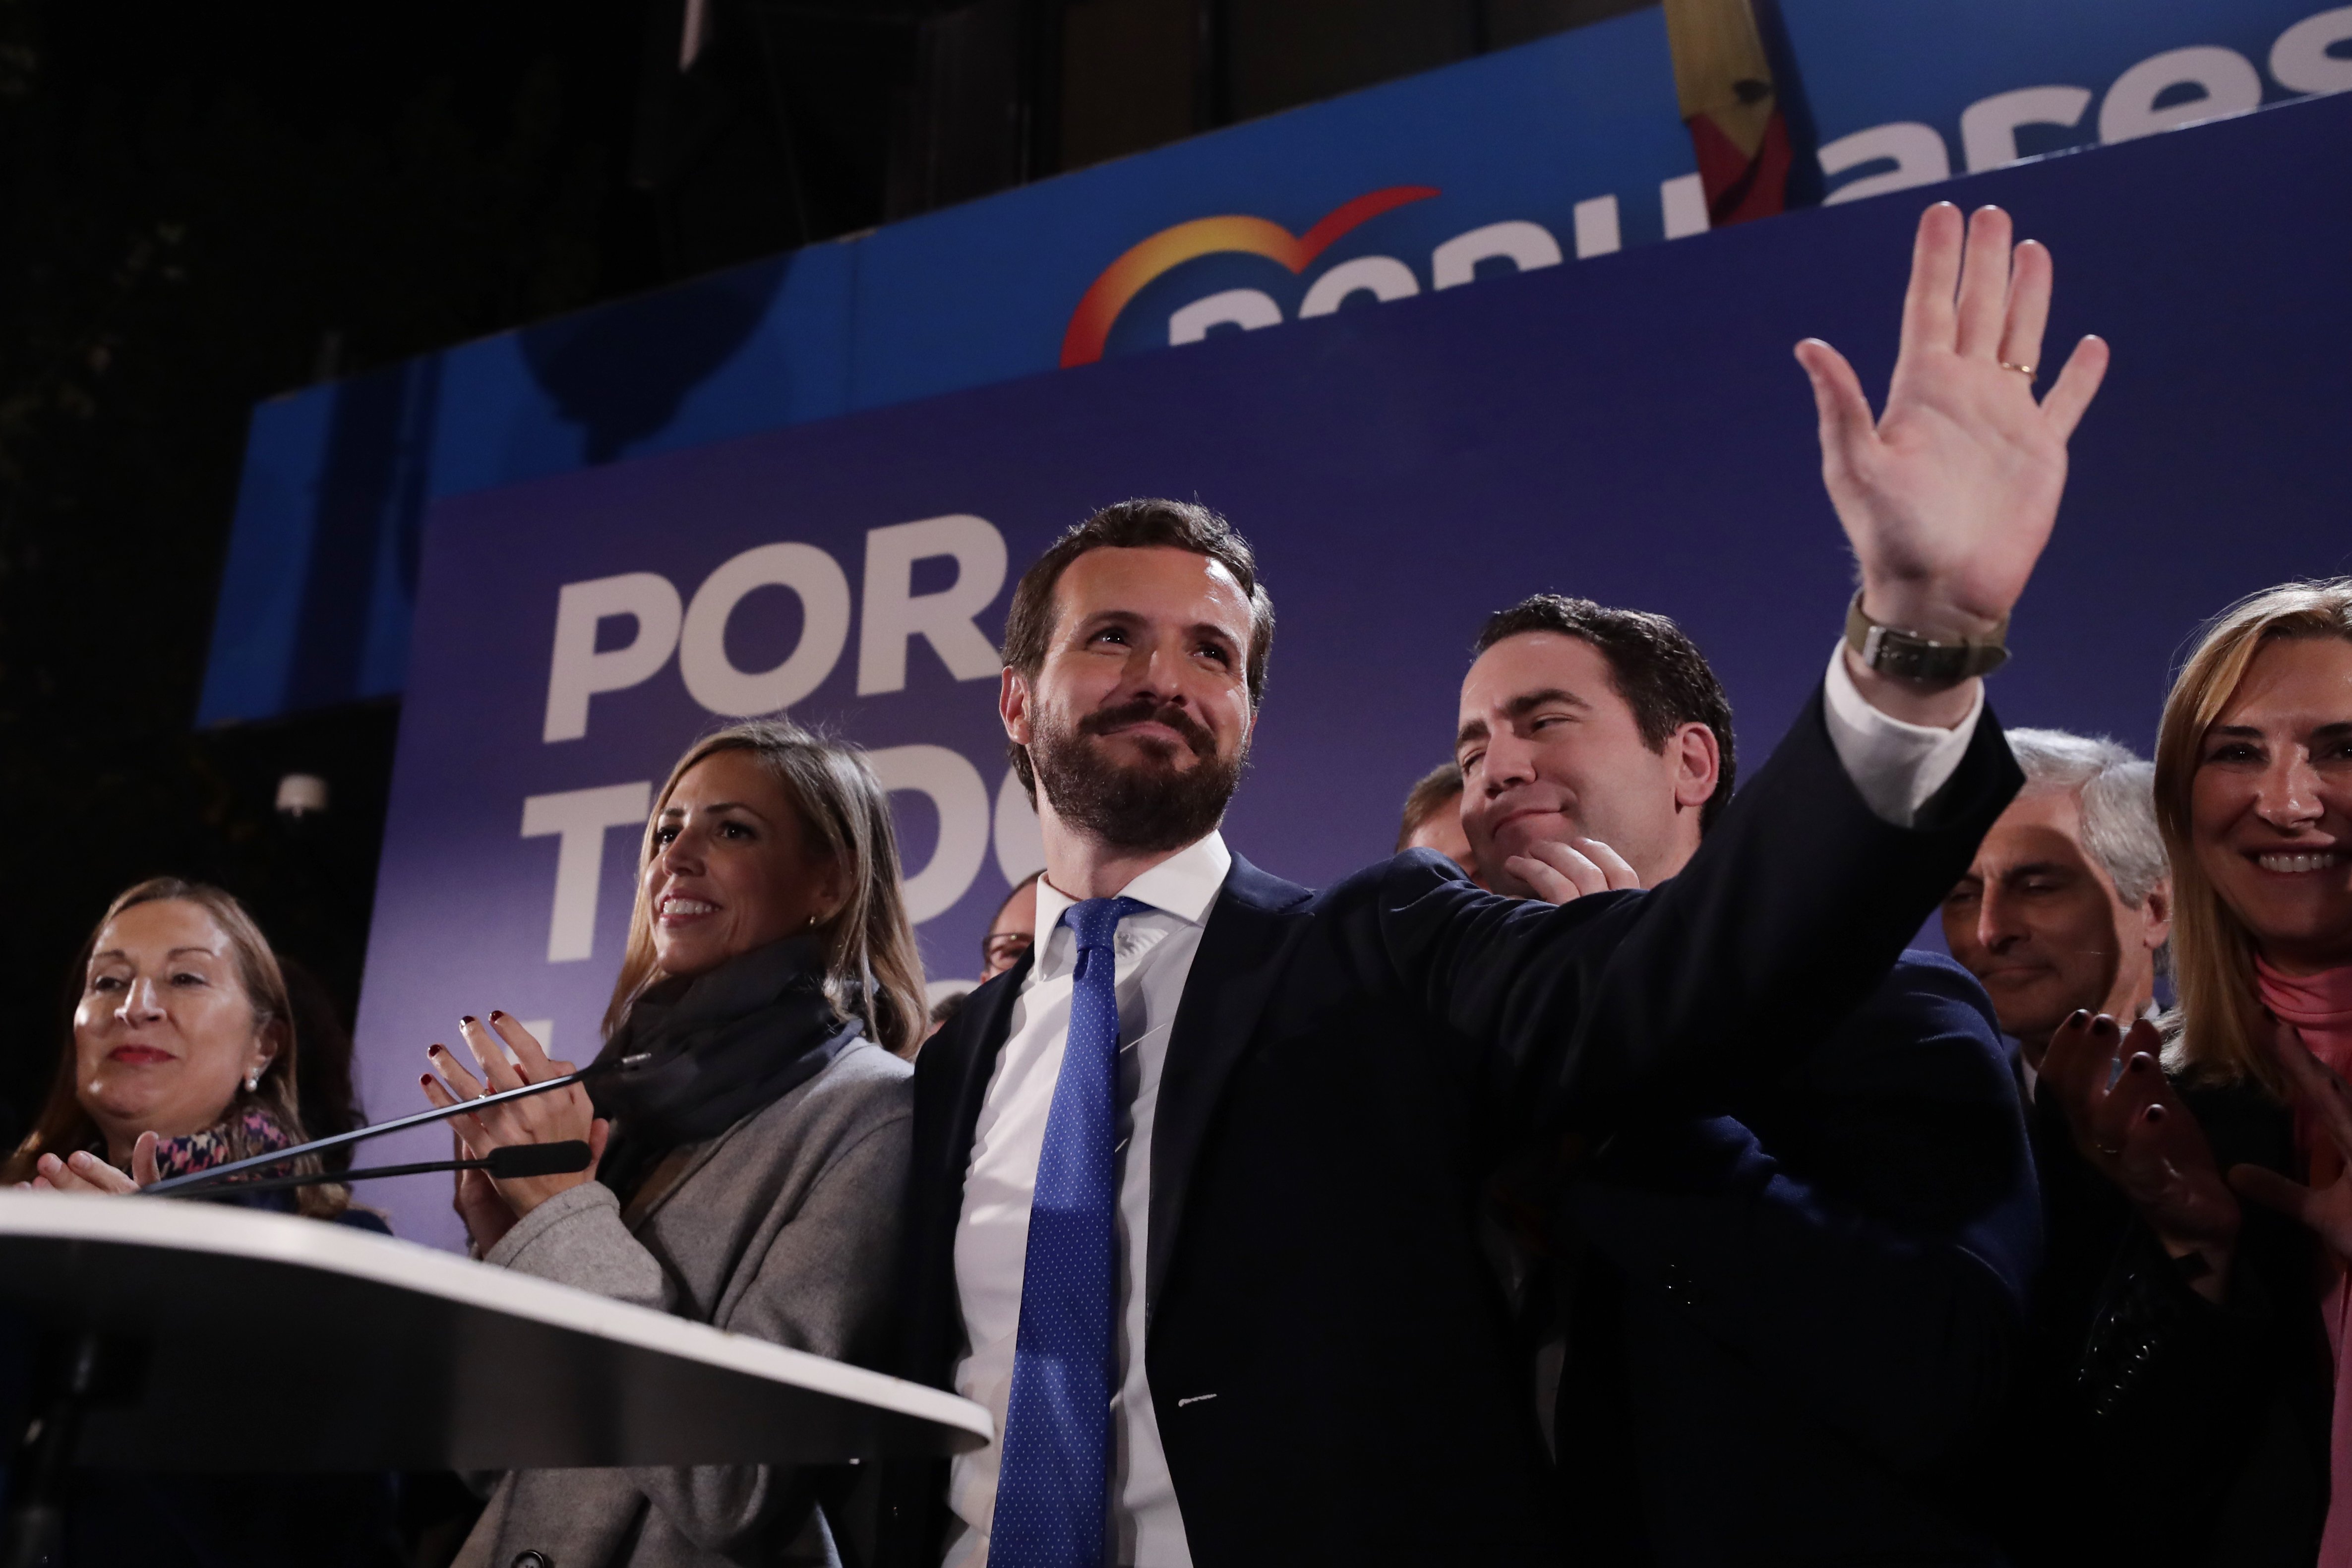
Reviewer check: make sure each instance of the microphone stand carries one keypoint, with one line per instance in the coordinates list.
(218, 1174)
(504, 1164)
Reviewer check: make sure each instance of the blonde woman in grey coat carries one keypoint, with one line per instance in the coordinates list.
(750, 1154)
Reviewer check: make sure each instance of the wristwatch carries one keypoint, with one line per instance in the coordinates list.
(1907, 656)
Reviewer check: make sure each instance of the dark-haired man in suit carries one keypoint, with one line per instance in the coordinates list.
(1781, 1321)
(1207, 1162)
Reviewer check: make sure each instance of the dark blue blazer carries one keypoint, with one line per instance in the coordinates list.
(1328, 1352)
(1792, 1326)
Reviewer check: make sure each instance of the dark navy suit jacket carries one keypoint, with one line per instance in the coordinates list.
(1792, 1327)
(1329, 1352)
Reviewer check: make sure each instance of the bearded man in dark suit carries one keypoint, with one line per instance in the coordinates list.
(1208, 1162)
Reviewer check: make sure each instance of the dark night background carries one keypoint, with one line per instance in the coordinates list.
(203, 207)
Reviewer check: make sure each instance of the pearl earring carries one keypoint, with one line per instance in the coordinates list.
(253, 1081)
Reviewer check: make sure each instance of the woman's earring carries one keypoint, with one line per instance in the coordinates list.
(253, 1081)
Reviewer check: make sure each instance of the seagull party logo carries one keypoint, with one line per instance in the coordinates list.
(1123, 279)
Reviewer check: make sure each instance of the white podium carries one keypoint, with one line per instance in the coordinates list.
(242, 1340)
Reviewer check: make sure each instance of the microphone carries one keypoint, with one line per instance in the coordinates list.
(176, 1185)
(505, 1162)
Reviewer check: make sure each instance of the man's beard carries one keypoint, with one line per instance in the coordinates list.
(1143, 807)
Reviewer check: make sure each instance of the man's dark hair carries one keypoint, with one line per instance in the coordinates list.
(1438, 786)
(1141, 524)
(1657, 671)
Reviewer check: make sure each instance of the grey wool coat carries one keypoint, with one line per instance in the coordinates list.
(784, 1227)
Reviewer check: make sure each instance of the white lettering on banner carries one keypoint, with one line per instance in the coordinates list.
(1988, 126)
(1527, 246)
(2300, 60)
(896, 614)
(1917, 151)
(712, 679)
(1382, 277)
(2227, 79)
(1248, 308)
(961, 800)
(578, 672)
(1596, 227)
(1682, 202)
(579, 819)
(1019, 842)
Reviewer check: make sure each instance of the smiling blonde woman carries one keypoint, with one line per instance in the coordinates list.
(752, 1153)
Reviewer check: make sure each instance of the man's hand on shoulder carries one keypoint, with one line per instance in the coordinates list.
(1949, 497)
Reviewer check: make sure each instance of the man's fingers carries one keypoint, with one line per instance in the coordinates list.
(1848, 427)
(1927, 309)
(2029, 304)
(1570, 863)
(2076, 385)
(1983, 303)
(1546, 883)
(1615, 873)
(2270, 1190)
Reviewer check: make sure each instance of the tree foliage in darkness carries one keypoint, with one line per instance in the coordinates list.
(199, 210)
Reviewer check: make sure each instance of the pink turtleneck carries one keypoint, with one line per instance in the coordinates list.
(2320, 1009)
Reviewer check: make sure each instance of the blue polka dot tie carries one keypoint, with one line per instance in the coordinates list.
(1054, 1475)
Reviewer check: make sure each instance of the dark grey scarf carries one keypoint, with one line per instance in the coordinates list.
(697, 1054)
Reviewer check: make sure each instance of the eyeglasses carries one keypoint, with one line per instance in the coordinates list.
(1003, 950)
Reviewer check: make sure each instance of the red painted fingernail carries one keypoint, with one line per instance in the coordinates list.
(2137, 1064)
(469, 1019)
(436, 1049)
(495, 1014)
(2156, 1113)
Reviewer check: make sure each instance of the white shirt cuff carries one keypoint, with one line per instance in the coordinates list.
(1896, 766)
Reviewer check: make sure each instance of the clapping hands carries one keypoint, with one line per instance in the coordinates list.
(491, 1208)
(2131, 1125)
(2320, 1091)
(82, 1172)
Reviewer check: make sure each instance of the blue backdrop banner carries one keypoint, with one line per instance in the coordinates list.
(1566, 150)
(1633, 429)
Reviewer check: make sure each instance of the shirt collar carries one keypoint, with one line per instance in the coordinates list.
(1184, 885)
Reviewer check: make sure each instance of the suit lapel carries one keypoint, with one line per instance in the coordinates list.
(1250, 928)
(951, 1075)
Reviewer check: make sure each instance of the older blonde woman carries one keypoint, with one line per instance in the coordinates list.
(2253, 793)
(750, 1157)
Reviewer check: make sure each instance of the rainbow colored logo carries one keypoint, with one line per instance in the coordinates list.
(1123, 279)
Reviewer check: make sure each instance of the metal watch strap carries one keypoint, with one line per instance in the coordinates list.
(1907, 656)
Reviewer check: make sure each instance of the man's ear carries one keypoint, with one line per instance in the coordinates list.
(1698, 765)
(1012, 706)
(2158, 907)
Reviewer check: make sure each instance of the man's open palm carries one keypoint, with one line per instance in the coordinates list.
(1949, 496)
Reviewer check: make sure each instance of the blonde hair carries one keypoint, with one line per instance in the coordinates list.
(872, 970)
(2222, 1028)
(64, 1126)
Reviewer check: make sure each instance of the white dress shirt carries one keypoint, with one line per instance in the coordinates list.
(1896, 766)
(1154, 953)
